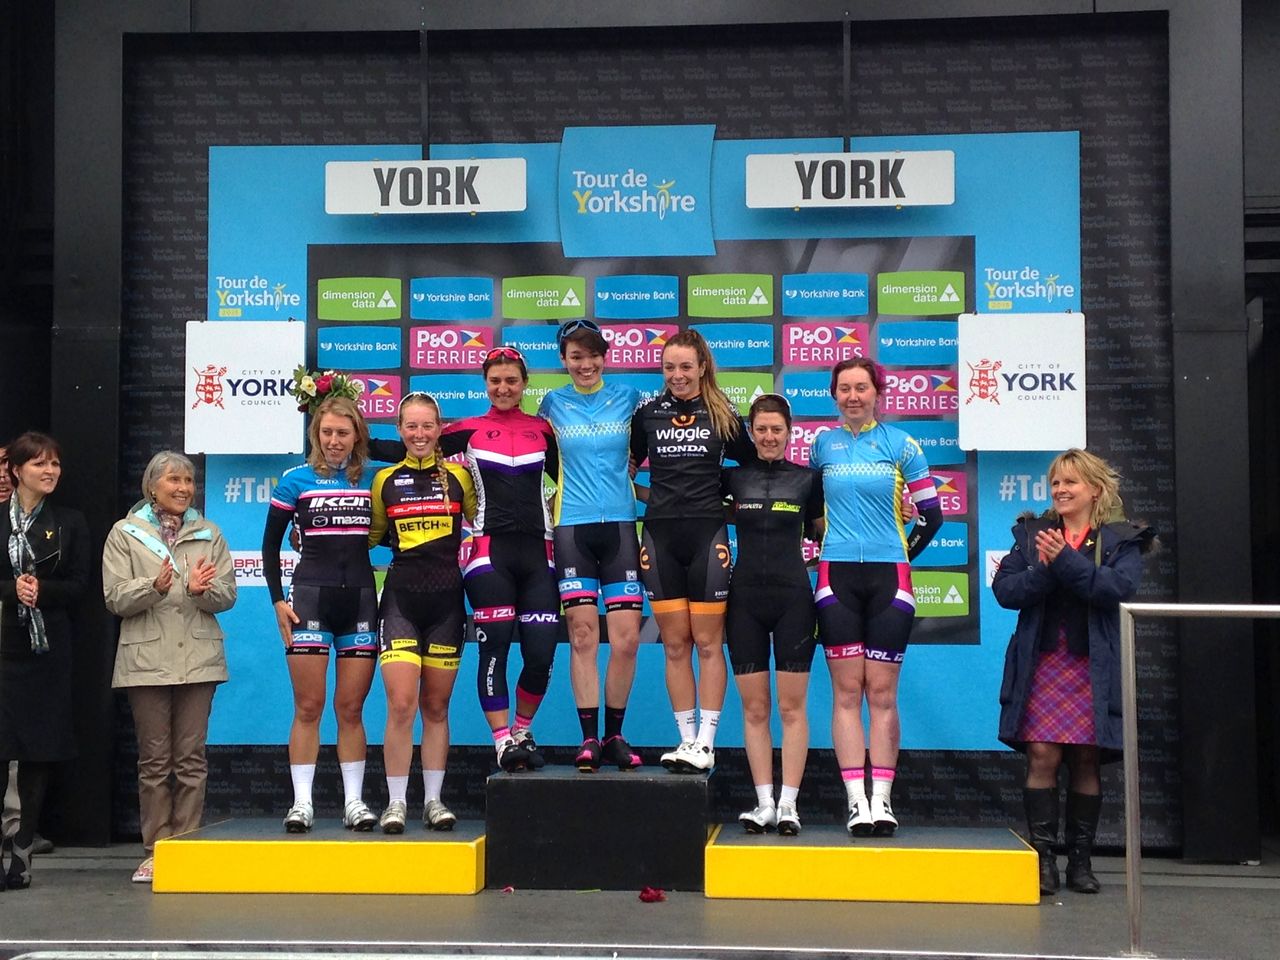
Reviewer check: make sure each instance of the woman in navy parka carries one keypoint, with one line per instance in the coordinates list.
(1067, 574)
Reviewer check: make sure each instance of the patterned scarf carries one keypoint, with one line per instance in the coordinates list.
(169, 525)
(22, 559)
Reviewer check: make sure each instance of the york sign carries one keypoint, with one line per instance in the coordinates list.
(902, 179)
(426, 186)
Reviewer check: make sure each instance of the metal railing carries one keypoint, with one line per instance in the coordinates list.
(1129, 695)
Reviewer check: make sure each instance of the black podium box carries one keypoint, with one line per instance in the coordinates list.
(558, 829)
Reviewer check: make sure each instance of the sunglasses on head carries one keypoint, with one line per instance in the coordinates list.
(573, 326)
(504, 353)
(418, 395)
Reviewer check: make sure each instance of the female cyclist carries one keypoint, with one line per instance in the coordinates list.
(332, 601)
(865, 604)
(509, 574)
(420, 502)
(773, 501)
(595, 539)
(685, 433)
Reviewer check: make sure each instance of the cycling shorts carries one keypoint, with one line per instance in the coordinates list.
(342, 617)
(865, 609)
(685, 565)
(421, 629)
(599, 558)
(757, 612)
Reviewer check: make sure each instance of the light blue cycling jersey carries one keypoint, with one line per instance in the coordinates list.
(593, 431)
(863, 477)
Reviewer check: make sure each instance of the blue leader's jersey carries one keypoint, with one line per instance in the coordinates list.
(863, 477)
(593, 431)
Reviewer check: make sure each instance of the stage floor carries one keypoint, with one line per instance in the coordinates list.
(82, 898)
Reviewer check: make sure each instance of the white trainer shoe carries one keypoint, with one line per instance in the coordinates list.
(358, 816)
(672, 758)
(436, 816)
(759, 820)
(788, 820)
(393, 818)
(884, 823)
(300, 817)
(860, 822)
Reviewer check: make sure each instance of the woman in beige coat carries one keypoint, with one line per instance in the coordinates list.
(166, 571)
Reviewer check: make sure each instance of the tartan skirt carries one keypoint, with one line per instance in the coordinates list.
(1060, 705)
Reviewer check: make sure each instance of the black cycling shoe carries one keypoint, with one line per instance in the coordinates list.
(588, 758)
(618, 753)
(534, 758)
(512, 756)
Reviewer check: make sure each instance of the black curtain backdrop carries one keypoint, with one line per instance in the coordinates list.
(1107, 78)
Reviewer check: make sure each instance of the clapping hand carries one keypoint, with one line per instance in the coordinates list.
(201, 576)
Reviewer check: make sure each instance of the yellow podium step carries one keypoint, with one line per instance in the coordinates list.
(257, 856)
(920, 865)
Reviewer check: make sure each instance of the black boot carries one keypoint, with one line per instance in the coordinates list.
(1042, 829)
(18, 876)
(1081, 828)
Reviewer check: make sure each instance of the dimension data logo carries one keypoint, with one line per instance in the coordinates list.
(731, 295)
(358, 298)
(543, 298)
(920, 293)
(250, 297)
(636, 191)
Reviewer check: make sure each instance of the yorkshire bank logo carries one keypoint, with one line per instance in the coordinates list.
(256, 294)
(449, 347)
(636, 345)
(381, 396)
(823, 344)
(636, 191)
(920, 392)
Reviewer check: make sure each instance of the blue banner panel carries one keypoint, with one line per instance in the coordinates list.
(637, 297)
(355, 348)
(636, 191)
(451, 298)
(825, 294)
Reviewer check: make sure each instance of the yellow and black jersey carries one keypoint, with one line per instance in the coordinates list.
(421, 519)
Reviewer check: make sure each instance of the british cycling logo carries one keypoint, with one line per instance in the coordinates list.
(983, 384)
(209, 386)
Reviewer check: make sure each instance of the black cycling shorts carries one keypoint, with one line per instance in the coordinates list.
(757, 611)
(599, 558)
(342, 617)
(421, 629)
(865, 609)
(685, 565)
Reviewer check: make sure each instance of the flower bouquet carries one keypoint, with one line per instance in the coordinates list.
(310, 387)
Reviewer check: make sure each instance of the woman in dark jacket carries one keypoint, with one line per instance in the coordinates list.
(43, 570)
(1067, 574)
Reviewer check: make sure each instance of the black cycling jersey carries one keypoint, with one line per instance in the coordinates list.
(685, 455)
(773, 501)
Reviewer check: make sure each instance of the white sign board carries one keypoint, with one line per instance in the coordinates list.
(924, 178)
(237, 395)
(1022, 381)
(426, 186)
